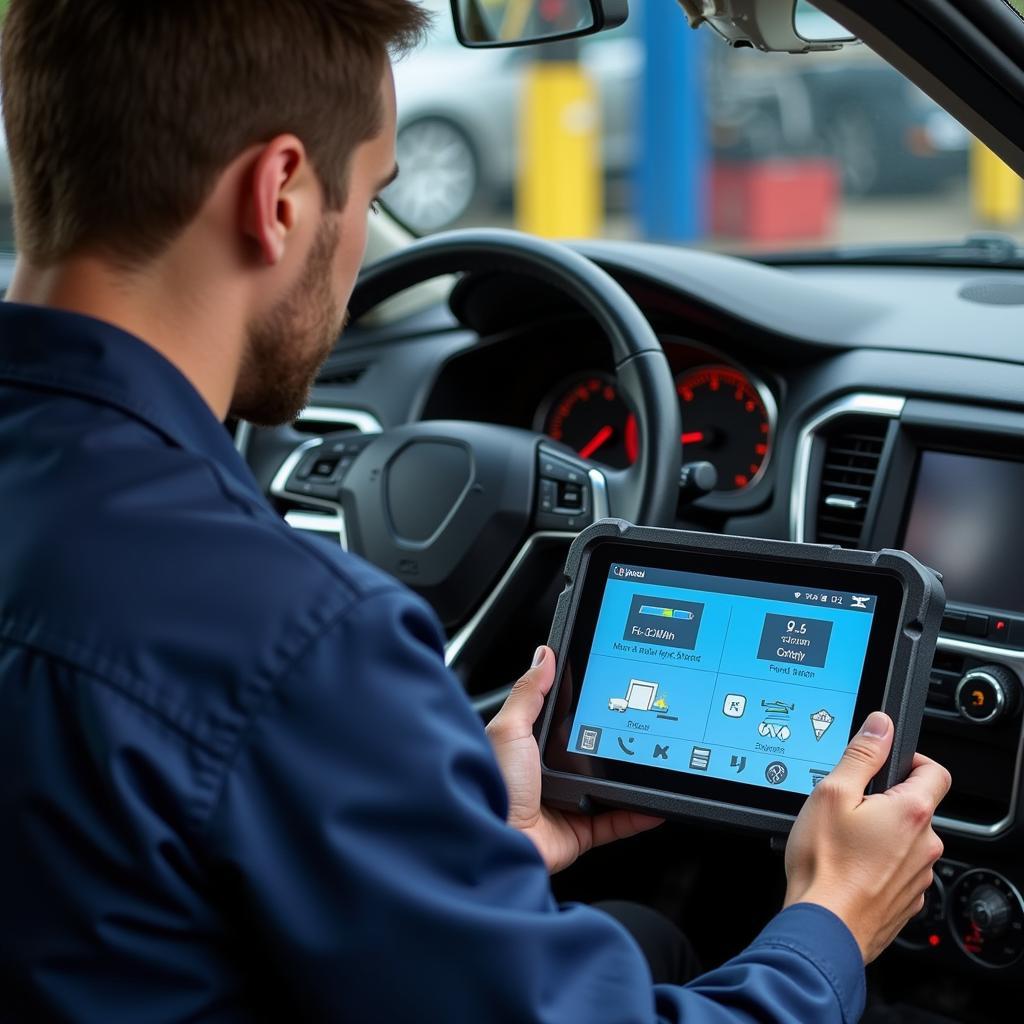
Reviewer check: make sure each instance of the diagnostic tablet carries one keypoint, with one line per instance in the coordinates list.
(722, 677)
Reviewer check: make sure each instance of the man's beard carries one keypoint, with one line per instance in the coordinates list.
(287, 347)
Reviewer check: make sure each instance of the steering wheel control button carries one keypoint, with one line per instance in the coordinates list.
(555, 469)
(320, 472)
(986, 694)
(987, 916)
(563, 494)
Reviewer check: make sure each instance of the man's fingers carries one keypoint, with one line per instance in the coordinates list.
(524, 703)
(612, 825)
(927, 781)
(865, 755)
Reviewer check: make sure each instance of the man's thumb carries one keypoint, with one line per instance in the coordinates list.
(865, 754)
(524, 702)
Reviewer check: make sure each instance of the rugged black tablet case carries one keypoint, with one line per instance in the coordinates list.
(905, 689)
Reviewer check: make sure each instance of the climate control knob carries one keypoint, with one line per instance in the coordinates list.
(986, 694)
(990, 910)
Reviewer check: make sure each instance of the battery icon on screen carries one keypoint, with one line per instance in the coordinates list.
(665, 613)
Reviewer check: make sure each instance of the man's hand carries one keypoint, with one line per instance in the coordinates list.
(560, 837)
(868, 858)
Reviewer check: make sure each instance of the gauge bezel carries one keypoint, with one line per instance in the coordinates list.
(680, 352)
(562, 388)
(770, 407)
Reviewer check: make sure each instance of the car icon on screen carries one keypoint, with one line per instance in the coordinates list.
(618, 704)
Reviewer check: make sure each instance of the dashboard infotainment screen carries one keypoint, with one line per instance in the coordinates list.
(741, 680)
(965, 520)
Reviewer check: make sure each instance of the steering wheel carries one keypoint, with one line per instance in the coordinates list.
(450, 506)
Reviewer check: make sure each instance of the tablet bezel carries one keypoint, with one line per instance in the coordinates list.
(886, 585)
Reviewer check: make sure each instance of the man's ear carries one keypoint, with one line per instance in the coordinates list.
(272, 200)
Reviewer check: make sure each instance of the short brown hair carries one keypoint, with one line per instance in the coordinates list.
(122, 114)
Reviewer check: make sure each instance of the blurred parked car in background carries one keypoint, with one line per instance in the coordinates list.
(459, 111)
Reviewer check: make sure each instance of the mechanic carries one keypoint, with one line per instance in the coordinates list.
(237, 781)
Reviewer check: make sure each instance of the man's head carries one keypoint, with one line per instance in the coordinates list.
(253, 134)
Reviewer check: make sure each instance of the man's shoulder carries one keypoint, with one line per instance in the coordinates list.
(175, 578)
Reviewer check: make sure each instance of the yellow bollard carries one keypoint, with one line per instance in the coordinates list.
(997, 191)
(560, 181)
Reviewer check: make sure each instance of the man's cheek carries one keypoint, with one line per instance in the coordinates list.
(350, 257)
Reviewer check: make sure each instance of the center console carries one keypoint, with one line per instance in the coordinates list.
(946, 483)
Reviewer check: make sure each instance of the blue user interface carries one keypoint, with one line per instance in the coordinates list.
(741, 680)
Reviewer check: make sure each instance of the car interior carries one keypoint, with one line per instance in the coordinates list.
(854, 395)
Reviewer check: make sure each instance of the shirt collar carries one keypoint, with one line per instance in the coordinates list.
(55, 350)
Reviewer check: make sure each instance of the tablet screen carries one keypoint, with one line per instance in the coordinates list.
(741, 680)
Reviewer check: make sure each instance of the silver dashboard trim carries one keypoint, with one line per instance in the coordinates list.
(863, 403)
(364, 422)
(1015, 661)
(599, 493)
(892, 406)
(242, 434)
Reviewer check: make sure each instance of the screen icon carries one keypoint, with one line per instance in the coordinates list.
(663, 621)
(624, 748)
(699, 759)
(734, 706)
(642, 695)
(820, 722)
(796, 639)
(859, 602)
(738, 761)
(776, 725)
(588, 739)
(776, 773)
(660, 751)
(661, 612)
(817, 774)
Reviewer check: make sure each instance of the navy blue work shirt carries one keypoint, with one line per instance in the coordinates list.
(237, 781)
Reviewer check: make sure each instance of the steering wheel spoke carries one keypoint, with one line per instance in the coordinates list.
(457, 509)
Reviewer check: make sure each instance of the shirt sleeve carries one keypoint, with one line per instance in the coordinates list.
(360, 842)
(804, 966)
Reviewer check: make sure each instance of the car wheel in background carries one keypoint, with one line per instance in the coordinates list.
(852, 140)
(439, 175)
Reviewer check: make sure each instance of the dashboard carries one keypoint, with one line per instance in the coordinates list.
(730, 416)
(851, 405)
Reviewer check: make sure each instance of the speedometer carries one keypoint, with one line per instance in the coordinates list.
(726, 421)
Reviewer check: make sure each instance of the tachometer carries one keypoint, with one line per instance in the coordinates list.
(590, 417)
(725, 422)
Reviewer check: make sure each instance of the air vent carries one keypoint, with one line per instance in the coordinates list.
(344, 375)
(853, 449)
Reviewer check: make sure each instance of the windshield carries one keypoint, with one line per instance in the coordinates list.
(653, 131)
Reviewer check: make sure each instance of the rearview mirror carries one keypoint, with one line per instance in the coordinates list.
(494, 23)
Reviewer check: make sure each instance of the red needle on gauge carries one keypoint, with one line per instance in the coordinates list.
(596, 441)
(693, 437)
